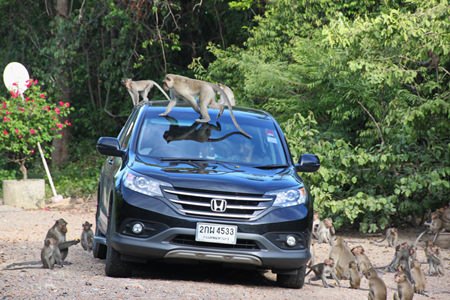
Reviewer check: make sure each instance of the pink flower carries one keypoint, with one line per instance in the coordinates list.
(16, 130)
(5, 132)
(21, 109)
(32, 131)
(67, 104)
(32, 151)
(61, 103)
(57, 111)
(6, 119)
(36, 82)
(29, 83)
(42, 96)
(47, 108)
(67, 122)
(4, 105)
(14, 94)
(8, 112)
(59, 125)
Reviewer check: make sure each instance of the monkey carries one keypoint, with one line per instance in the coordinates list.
(404, 287)
(87, 236)
(342, 256)
(58, 232)
(418, 277)
(188, 89)
(229, 93)
(391, 236)
(402, 257)
(377, 287)
(355, 278)
(432, 63)
(437, 225)
(434, 260)
(362, 260)
(322, 271)
(315, 227)
(140, 88)
(50, 254)
(312, 260)
(325, 231)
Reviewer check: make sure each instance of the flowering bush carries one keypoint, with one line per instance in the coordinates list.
(29, 120)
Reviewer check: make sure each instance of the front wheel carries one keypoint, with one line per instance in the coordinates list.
(98, 250)
(114, 266)
(294, 280)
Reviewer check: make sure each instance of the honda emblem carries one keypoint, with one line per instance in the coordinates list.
(218, 205)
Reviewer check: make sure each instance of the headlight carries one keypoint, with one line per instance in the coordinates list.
(144, 185)
(290, 197)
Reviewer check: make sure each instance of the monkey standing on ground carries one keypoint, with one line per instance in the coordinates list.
(87, 236)
(391, 236)
(342, 256)
(377, 287)
(436, 260)
(355, 278)
(188, 89)
(418, 277)
(362, 260)
(140, 88)
(322, 271)
(404, 287)
(325, 231)
(58, 233)
(402, 257)
(315, 226)
(50, 254)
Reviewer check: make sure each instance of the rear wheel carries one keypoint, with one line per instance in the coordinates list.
(294, 280)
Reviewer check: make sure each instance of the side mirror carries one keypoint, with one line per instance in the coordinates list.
(109, 146)
(308, 163)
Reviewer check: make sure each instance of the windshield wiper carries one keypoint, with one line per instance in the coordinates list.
(185, 159)
(273, 166)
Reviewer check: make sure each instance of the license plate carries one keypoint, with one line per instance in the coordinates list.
(216, 233)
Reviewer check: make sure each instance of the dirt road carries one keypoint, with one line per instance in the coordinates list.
(21, 238)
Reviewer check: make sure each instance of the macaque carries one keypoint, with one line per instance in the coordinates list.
(140, 88)
(432, 63)
(418, 277)
(342, 256)
(377, 287)
(404, 287)
(402, 257)
(434, 260)
(322, 271)
(440, 222)
(355, 278)
(196, 132)
(87, 236)
(362, 260)
(315, 226)
(188, 89)
(312, 260)
(58, 232)
(391, 236)
(229, 93)
(325, 231)
(50, 254)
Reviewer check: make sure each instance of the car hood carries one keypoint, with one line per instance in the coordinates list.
(216, 176)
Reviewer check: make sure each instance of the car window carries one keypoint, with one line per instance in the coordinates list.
(125, 133)
(182, 137)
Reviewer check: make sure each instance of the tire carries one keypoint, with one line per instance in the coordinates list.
(98, 250)
(114, 266)
(292, 281)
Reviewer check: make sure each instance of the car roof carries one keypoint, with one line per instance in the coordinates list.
(245, 110)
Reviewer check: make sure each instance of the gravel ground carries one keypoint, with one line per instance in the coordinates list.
(21, 238)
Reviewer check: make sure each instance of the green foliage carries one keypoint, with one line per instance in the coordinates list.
(349, 81)
(29, 120)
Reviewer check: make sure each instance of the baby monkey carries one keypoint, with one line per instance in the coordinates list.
(324, 270)
(404, 287)
(87, 236)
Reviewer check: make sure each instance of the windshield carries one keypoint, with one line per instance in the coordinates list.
(180, 137)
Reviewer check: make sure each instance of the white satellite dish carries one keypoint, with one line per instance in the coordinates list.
(16, 73)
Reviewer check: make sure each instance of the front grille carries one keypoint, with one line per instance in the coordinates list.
(189, 240)
(199, 203)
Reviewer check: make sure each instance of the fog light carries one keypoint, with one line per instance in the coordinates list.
(291, 241)
(137, 228)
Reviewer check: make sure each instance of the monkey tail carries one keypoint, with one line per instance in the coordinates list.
(162, 91)
(230, 108)
(14, 266)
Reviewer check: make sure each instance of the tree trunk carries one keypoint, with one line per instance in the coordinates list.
(61, 146)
